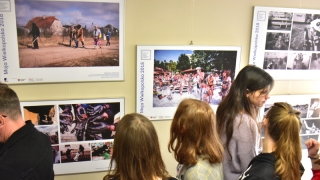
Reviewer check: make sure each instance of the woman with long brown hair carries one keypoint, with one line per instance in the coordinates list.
(281, 152)
(136, 151)
(195, 142)
(237, 119)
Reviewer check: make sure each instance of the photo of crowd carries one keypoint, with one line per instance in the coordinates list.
(199, 74)
(86, 122)
(275, 60)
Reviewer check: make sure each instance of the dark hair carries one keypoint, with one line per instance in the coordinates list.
(193, 132)
(136, 150)
(248, 80)
(283, 124)
(9, 102)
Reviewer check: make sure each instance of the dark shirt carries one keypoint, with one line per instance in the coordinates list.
(27, 154)
(262, 167)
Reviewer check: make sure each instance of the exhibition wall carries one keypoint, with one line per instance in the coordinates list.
(171, 22)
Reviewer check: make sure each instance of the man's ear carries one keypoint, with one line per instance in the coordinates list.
(2, 121)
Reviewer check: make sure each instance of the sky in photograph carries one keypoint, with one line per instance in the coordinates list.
(85, 13)
(170, 54)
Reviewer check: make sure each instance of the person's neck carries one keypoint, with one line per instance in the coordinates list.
(13, 126)
(269, 144)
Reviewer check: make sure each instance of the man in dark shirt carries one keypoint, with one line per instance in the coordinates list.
(35, 32)
(25, 153)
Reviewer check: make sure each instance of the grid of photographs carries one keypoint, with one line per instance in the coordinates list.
(285, 41)
(80, 131)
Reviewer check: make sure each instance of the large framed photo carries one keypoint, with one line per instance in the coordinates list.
(309, 107)
(168, 74)
(61, 41)
(81, 131)
(286, 42)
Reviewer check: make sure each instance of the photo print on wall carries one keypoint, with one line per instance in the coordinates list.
(46, 41)
(286, 42)
(81, 131)
(168, 74)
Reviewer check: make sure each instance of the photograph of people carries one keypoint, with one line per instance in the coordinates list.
(40, 115)
(315, 61)
(205, 75)
(56, 154)
(101, 150)
(310, 126)
(50, 131)
(277, 41)
(88, 121)
(275, 60)
(314, 109)
(279, 21)
(75, 152)
(305, 32)
(299, 61)
(48, 32)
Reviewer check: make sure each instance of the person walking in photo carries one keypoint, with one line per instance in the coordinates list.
(72, 35)
(96, 37)
(79, 36)
(108, 34)
(35, 32)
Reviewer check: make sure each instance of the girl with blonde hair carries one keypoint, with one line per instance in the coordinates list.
(195, 142)
(136, 151)
(281, 152)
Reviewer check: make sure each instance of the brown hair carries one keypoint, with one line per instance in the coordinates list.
(136, 150)
(9, 102)
(284, 128)
(249, 79)
(193, 133)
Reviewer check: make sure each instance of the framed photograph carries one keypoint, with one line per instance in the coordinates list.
(81, 131)
(168, 74)
(61, 41)
(309, 107)
(286, 42)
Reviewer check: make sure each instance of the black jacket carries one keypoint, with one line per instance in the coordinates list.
(262, 167)
(26, 155)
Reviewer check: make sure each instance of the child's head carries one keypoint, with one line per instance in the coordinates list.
(282, 123)
(193, 133)
(136, 149)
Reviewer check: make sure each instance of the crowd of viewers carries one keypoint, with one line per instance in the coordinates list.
(206, 145)
(200, 84)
